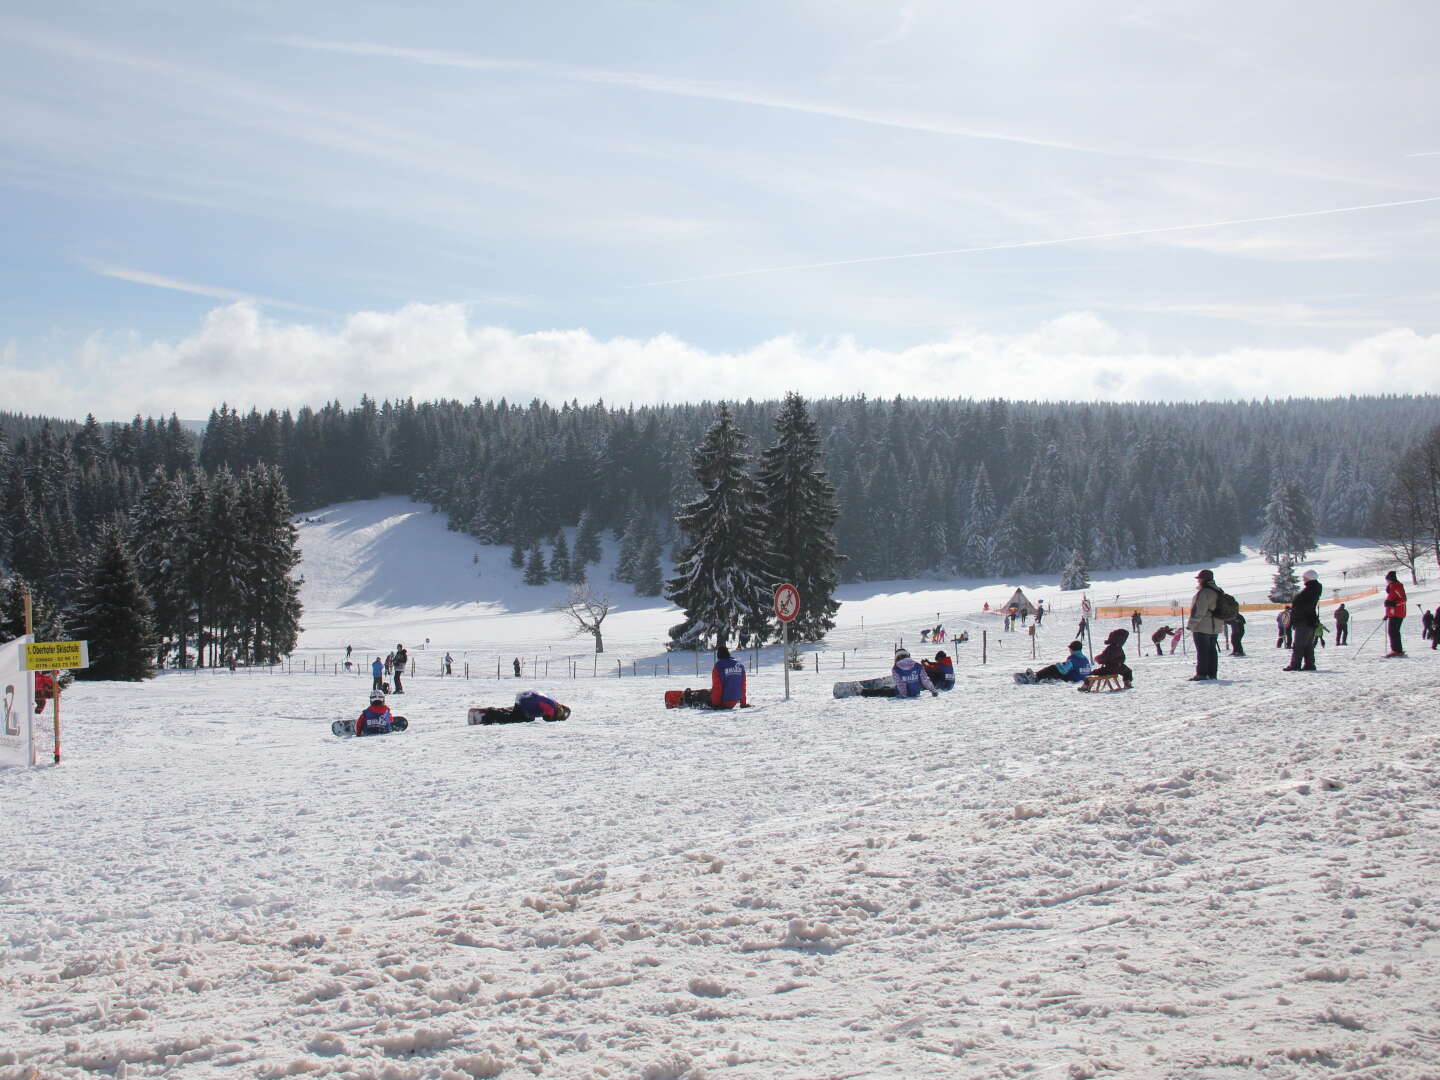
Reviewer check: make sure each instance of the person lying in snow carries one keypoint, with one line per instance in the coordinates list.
(529, 705)
(1111, 660)
(1073, 668)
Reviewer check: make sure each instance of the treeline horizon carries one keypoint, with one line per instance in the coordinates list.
(925, 486)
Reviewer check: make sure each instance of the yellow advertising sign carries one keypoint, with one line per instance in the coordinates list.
(48, 655)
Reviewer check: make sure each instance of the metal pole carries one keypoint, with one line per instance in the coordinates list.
(785, 653)
(984, 646)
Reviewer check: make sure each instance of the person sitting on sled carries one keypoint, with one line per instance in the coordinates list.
(1111, 660)
(1073, 668)
(941, 671)
(375, 720)
(533, 705)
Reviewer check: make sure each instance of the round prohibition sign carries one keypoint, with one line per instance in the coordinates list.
(787, 602)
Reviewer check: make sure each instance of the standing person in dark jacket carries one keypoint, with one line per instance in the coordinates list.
(401, 659)
(1204, 627)
(1427, 623)
(1304, 621)
(1158, 639)
(1394, 612)
(1111, 660)
(1237, 634)
(1342, 625)
(1284, 635)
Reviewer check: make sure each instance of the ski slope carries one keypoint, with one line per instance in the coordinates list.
(1187, 880)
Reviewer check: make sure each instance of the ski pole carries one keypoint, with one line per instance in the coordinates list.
(1369, 636)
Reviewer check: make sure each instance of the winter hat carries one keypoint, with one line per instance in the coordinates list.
(1206, 575)
(376, 696)
(722, 653)
(1310, 575)
(941, 655)
(1076, 646)
(902, 654)
(1390, 575)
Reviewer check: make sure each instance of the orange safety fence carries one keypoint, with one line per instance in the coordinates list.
(1175, 607)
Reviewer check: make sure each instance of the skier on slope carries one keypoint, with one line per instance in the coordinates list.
(1394, 612)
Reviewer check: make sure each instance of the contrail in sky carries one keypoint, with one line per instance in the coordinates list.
(1034, 243)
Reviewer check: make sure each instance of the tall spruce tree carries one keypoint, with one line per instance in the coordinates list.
(1076, 574)
(113, 614)
(587, 539)
(1289, 521)
(1284, 584)
(724, 577)
(535, 565)
(798, 514)
(649, 579)
(560, 557)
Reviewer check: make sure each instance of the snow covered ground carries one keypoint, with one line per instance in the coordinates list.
(1189, 880)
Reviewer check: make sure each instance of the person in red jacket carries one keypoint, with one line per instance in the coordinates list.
(44, 689)
(1394, 612)
(376, 720)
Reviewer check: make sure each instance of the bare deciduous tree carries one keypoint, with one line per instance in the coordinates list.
(1407, 522)
(586, 611)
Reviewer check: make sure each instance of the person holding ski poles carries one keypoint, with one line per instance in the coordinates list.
(1394, 613)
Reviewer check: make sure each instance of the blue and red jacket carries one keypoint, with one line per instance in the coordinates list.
(941, 672)
(536, 705)
(375, 720)
(727, 684)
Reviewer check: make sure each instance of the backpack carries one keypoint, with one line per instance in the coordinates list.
(1226, 606)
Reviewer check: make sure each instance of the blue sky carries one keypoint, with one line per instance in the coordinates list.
(279, 204)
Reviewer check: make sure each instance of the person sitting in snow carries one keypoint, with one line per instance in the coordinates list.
(1073, 668)
(941, 671)
(375, 720)
(727, 681)
(1111, 660)
(909, 679)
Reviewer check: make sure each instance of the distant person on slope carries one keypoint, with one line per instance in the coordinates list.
(377, 675)
(1158, 639)
(1304, 619)
(1394, 612)
(401, 659)
(1237, 634)
(1342, 625)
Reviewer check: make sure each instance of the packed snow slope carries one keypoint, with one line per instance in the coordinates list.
(1231, 879)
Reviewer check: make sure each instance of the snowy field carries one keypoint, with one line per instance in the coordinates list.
(1199, 880)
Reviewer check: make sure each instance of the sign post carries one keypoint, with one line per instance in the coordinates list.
(54, 656)
(787, 606)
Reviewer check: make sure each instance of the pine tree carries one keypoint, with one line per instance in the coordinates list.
(632, 540)
(1076, 574)
(535, 566)
(649, 578)
(1289, 521)
(1285, 584)
(560, 558)
(45, 617)
(517, 555)
(980, 547)
(158, 542)
(114, 614)
(587, 539)
(799, 510)
(723, 580)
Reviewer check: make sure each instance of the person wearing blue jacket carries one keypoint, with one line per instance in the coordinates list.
(1073, 668)
(727, 681)
(941, 671)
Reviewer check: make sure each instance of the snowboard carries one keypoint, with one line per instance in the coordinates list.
(1026, 677)
(854, 689)
(345, 729)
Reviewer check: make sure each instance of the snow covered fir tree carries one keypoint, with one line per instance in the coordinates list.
(113, 615)
(724, 578)
(1076, 574)
(798, 513)
(1289, 521)
(1285, 584)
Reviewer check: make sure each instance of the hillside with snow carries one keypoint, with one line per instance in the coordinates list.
(1233, 879)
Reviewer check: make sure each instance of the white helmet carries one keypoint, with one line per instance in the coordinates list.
(902, 654)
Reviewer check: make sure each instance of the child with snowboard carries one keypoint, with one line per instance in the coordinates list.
(727, 687)
(375, 720)
(1111, 660)
(907, 679)
(1073, 668)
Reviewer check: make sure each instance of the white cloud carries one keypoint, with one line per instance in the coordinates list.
(243, 357)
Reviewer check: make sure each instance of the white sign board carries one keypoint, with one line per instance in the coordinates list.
(17, 707)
